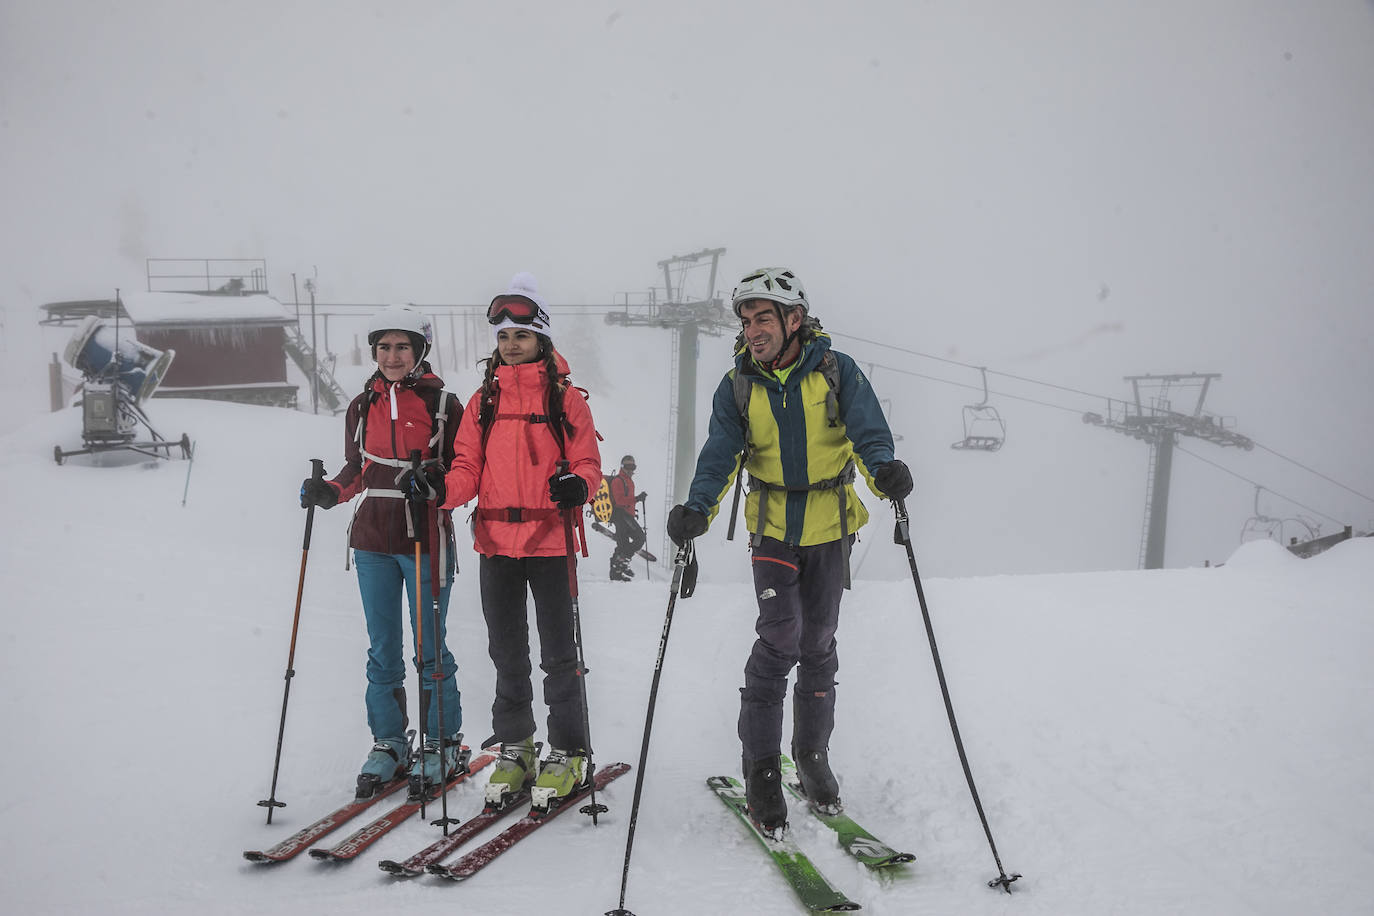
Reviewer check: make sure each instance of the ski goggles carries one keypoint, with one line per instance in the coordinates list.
(517, 309)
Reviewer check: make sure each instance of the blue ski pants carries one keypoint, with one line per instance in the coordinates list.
(382, 578)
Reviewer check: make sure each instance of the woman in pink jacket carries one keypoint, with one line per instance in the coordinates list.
(526, 449)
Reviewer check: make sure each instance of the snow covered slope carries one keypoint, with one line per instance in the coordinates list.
(1182, 741)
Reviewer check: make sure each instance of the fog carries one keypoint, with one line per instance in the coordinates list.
(1069, 193)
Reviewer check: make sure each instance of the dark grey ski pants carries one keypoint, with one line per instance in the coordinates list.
(798, 590)
(506, 583)
(629, 536)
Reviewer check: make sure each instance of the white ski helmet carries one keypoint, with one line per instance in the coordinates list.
(774, 283)
(402, 318)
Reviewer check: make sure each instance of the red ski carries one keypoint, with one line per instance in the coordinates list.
(470, 864)
(371, 833)
(442, 847)
(299, 841)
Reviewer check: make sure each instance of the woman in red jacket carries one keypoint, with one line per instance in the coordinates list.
(403, 408)
(526, 449)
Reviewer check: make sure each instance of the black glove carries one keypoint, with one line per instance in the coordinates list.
(424, 487)
(685, 524)
(641, 497)
(567, 490)
(318, 492)
(893, 479)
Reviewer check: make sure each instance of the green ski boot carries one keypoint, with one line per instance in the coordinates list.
(514, 770)
(562, 773)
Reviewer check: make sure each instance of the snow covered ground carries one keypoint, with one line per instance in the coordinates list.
(1192, 741)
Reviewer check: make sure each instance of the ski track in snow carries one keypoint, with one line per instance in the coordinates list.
(1183, 741)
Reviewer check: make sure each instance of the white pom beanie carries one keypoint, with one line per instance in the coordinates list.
(525, 286)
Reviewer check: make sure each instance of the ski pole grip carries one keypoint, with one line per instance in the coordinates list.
(688, 586)
(901, 531)
(316, 474)
(414, 497)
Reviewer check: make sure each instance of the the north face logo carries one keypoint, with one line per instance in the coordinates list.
(766, 594)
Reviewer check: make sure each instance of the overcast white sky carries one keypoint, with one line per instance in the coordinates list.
(1070, 191)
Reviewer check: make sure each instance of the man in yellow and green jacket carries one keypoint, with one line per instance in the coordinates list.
(803, 421)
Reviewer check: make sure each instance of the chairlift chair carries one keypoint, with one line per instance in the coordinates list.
(1260, 526)
(984, 429)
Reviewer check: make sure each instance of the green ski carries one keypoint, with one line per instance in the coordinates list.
(815, 891)
(855, 840)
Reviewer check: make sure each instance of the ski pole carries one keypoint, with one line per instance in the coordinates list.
(903, 534)
(644, 508)
(316, 473)
(415, 518)
(591, 807)
(438, 676)
(191, 455)
(680, 562)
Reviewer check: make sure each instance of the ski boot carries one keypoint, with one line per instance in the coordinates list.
(386, 761)
(561, 774)
(514, 771)
(436, 762)
(763, 793)
(818, 782)
(620, 569)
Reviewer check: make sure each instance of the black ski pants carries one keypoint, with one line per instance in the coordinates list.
(798, 590)
(506, 582)
(629, 536)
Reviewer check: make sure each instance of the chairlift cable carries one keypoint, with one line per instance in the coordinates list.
(955, 362)
(1313, 471)
(1254, 483)
(1001, 394)
(1019, 378)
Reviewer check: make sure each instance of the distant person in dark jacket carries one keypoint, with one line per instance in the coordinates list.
(403, 407)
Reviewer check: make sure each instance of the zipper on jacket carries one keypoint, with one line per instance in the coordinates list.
(391, 395)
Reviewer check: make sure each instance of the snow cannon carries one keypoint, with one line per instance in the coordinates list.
(120, 373)
(101, 354)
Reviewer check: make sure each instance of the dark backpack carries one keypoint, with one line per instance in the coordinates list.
(553, 415)
(744, 385)
(436, 402)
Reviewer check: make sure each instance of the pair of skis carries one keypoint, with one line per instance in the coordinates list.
(371, 832)
(813, 888)
(479, 858)
(430, 857)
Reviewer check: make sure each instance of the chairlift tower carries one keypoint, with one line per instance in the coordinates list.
(1152, 419)
(688, 319)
